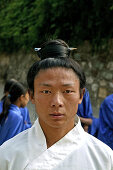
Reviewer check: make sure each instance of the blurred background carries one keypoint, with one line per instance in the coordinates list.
(85, 24)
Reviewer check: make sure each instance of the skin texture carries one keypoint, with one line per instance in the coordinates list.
(56, 98)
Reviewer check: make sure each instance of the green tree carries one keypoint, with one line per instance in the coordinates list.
(26, 24)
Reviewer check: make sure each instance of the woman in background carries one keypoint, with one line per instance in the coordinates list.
(7, 86)
(24, 111)
(12, 119)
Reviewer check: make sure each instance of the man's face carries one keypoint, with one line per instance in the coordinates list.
(56, 97)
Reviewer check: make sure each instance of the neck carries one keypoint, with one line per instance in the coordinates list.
(55, 134)
(16, 103)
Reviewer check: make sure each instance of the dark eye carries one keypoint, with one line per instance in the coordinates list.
(67, 91)
(46, 91)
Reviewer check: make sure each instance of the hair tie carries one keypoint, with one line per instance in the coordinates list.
(9, 95)
(71, 48)
(37, 49)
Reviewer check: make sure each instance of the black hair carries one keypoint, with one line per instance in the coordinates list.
(54, 49)
(15, 91)
(7, 86)
(55, 57)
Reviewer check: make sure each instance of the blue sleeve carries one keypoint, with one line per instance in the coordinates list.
(94, 127)
(11, 127)
(105, 133)
(85, 108)
(1, 106)
(26, 118)
(106, 111)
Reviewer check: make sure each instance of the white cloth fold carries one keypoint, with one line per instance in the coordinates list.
(77, 150)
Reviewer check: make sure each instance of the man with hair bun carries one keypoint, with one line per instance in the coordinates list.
(59, 48)
(57, 139)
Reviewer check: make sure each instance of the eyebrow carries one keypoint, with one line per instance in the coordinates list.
(44, 84)
(68, 84)
(48, 85)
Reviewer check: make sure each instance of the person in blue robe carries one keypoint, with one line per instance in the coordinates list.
(24, 111)
(12, 125)
(26, 117)
(89, 122)
(13, 118)
(105, 133)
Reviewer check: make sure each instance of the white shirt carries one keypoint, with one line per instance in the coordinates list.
(77, 150)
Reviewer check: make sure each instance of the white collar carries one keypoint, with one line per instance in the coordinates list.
(38, 147)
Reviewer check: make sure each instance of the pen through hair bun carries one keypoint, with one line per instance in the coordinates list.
(53, 49)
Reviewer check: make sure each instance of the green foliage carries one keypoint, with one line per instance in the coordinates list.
(26, 24)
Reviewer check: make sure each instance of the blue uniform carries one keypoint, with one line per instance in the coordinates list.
(105, 133)
(1, 106)
(26, 118)
(15, 123)
(85, 111)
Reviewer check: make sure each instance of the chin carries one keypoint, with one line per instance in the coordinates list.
(57, 124)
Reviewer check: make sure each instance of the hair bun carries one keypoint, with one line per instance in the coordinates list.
(53, 49)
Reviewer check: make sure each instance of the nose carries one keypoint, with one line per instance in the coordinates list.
(57, 100)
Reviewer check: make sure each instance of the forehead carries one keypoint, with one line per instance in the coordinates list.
(56, 75)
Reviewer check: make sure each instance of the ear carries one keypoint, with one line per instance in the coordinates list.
(31, 96)
(82, 91)
(21, 97)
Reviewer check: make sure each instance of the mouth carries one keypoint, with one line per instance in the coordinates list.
(57, 115)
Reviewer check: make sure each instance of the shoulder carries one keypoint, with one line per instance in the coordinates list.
(17, 149)
(14, 153)
(108, 99)
(98, 146)
(18, 142)
(14, 114)
(24, 111)
(107, 104)
(11, 148)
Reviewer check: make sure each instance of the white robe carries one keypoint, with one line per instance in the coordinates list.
(77, 150)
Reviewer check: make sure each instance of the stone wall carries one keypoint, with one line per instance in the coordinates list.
(16, 65)
(98, 69)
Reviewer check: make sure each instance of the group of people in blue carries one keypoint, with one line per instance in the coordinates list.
(102, 127)
(15, 118)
